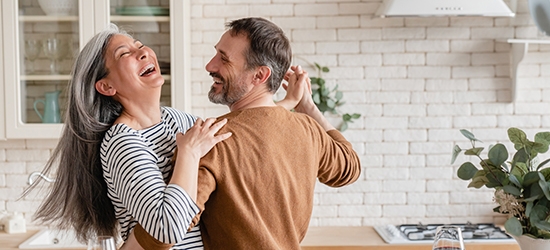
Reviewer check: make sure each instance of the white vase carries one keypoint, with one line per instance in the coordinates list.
(528, 243)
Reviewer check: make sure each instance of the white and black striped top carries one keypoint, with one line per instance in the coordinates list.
(136, 166)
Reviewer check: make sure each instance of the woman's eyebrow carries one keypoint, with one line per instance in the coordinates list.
(124, 46)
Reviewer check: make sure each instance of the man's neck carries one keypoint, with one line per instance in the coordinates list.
(248, 102)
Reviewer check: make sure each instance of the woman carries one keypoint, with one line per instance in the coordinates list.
(114, 156)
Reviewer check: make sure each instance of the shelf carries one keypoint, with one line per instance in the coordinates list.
(140, 18)
(59, 77)
(113, 18)
(45, 77)
(48, 18)
(520, 47)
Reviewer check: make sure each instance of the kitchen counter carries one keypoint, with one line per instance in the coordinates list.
(318, 238)
(12, 241)
(366, 238)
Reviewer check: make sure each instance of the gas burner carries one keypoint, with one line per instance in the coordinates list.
(423, 233)
(416, 232)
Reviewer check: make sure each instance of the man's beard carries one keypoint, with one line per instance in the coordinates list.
(231, 92)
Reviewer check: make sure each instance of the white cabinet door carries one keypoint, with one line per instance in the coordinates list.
(33, 84)
(2, 113)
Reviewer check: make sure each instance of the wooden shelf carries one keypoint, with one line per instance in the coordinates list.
(520, 48)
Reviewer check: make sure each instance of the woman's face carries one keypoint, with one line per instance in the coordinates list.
(133, 69)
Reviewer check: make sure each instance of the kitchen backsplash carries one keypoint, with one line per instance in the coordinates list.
(415, 82)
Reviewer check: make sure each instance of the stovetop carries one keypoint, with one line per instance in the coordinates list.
(420, 233)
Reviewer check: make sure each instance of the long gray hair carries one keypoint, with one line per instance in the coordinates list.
(78, 198)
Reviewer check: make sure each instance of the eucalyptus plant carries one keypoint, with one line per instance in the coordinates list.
(327, 99)
(522, 183)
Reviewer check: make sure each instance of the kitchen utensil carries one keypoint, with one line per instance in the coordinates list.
(55, 49)
(59, 7)
(32, 51)
(51, 107)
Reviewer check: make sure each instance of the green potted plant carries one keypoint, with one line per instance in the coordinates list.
(521, 184)
(328, 100)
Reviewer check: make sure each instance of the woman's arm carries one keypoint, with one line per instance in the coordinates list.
(193, 145)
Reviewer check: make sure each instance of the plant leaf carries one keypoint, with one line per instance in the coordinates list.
(543, 225)
(331, 104)
(514, 179)
(479, 180)
(544, 186)
(456, 151)
(466, 171)
(542, 164)
(338, 96)
(513, 226)
(529, 207)
(518, 137)
(512, 190)
(544, 139)
(344, 126)
(498, 154)
(530, 178)
(318, 66)
(473, 151)
(468, 135)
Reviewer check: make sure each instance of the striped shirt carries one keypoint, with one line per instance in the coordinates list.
(137, 166)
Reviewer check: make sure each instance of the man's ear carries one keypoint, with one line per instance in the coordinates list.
(262, 74)
(104, 88)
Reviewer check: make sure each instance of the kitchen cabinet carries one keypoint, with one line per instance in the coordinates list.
(2, 128)
(26, 80)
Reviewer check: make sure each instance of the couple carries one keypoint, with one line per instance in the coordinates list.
(248, 177)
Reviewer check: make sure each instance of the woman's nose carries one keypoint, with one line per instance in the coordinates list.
(142, 54)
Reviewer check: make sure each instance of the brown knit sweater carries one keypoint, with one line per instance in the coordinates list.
(256, 188)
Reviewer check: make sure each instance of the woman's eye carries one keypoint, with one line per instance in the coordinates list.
(124, 53)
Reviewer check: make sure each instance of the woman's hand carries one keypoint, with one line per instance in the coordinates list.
(200, 138)
(298, 86)
(193, 145)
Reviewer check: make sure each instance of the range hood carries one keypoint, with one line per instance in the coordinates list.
(427, 8)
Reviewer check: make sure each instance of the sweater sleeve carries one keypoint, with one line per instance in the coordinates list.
(206, 185)
(131, 172)
(339, 163)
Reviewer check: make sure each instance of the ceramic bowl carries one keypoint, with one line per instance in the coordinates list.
(59, 7)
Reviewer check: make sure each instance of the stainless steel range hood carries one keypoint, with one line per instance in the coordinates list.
(427, 8)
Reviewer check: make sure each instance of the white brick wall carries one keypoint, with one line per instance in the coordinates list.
(415, 81)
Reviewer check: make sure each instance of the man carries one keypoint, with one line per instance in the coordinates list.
(255, 189)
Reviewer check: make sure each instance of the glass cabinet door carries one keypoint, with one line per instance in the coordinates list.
(41, 47)
(163, 26)
(41, 39)
(48, 42)
(149, 23)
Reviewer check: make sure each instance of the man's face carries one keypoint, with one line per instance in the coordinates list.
(228, 70)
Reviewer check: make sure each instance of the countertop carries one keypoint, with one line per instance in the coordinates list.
(318, 238)
(366, 238)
